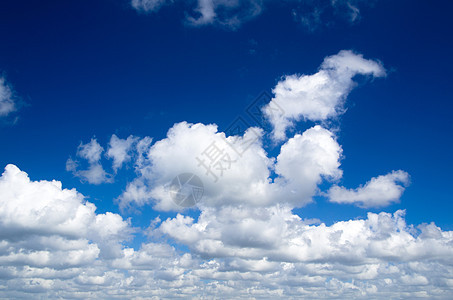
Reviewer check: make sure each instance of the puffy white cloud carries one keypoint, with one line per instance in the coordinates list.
(248, 175)
(379, 191)
(304, 160)
(7, 102)
(242, 174)
(182, 152)
(91, 151)
(119, 150)
(53, 243)
(319, 96)
(45, 225)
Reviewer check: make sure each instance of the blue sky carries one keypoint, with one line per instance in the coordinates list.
(89, 69)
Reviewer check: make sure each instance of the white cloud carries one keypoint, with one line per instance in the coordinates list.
(319, 96)
(95, 173)
(246, 178)
(382, 255)
(119, 150)
(53, 244)
(308, 156)
(251, 177)
(246, 241)
(7, 102)
(277, 234)
(379, 191)
(45, 225)
(178, 154)
(91, 151)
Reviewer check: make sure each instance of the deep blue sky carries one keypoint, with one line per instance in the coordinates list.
(94, 68)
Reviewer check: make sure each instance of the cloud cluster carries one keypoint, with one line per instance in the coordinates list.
(376, 257)
(237, 170)
(233, 13)
(120, 151)
(45, 226)
(95, 173)
(246, 241)
(314, 14)
(53, 244)
(243, 174)
(226, 13)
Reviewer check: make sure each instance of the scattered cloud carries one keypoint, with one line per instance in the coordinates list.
(316, 14)
(232, 14)
(227, 13)
(95, 173)
(246, 241)
(120, 150)
(320, 96)
(7, 101)
(379, 191)
(148, 5)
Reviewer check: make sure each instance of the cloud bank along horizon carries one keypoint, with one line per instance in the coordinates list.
(246, 241)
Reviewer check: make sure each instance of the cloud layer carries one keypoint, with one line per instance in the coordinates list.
(54, 245)
(245, 241)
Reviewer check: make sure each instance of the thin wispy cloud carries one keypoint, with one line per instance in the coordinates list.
(232, 14)
(8, 102)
